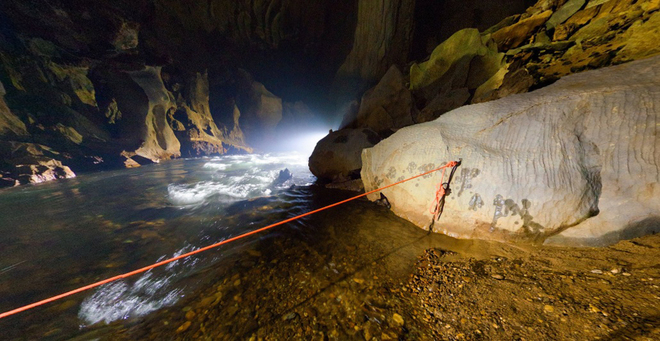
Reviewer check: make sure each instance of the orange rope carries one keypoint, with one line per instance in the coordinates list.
(146, 268)
(440, 191)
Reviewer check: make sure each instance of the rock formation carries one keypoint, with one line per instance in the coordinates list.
(552, 39)
(337, 156)
(23, 163)
(382, 38)
(124, 84)
(386, 107)
(577, 160)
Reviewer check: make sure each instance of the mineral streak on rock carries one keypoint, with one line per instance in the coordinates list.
(578, 158)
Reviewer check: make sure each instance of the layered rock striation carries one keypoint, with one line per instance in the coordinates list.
(577, 161)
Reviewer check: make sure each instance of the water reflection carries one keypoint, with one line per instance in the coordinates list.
(62, 235)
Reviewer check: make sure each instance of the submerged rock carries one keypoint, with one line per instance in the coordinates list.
(577, 158)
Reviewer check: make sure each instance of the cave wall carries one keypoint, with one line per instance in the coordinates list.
(382, 39)
(123, 83)
(437, 20)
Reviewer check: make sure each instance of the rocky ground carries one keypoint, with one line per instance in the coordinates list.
(346, 282)
(553, 293)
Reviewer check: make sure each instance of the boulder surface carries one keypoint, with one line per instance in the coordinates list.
(577, 161)
(337, 156)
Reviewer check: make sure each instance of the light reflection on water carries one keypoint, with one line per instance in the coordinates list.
(62, 235)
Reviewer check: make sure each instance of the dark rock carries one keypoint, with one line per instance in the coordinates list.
(337, 157)
(386, 107)
(284, 176)
(24, 163)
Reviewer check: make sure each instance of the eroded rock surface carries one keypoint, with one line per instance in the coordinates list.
(579, 157)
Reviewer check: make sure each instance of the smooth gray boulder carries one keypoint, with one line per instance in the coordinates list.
(578, 161)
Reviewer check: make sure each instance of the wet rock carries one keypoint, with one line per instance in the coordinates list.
(355, 185)
(184, 327)
(290, 316)
(522, 206)
(283, 176)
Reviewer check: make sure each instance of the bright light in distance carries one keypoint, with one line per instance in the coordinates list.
(303, 143)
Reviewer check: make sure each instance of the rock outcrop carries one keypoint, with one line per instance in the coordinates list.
(23, 163)
(261, 112)
(195, 126)
(550, 40)
(577, 160)
(159, 141)
(10, 124)
(337, 157)
(456, 68)
(386, 107)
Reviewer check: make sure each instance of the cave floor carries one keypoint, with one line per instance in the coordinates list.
(356, 280)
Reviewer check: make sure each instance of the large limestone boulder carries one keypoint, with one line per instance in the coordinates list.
(337, 156)
(577, 160)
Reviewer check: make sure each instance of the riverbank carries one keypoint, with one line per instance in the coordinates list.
(355, 279)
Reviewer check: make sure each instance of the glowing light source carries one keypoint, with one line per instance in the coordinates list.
(303, 143)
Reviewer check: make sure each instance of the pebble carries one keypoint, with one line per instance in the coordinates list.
(615, 271)
(596, 271)
(548, 308)
(398, 319)
(190, 315)
(358, 280)
(290, 316)
(184, 327)
(498, 277)
(626, 274)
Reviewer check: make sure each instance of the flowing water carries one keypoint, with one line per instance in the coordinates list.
(62, 235)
